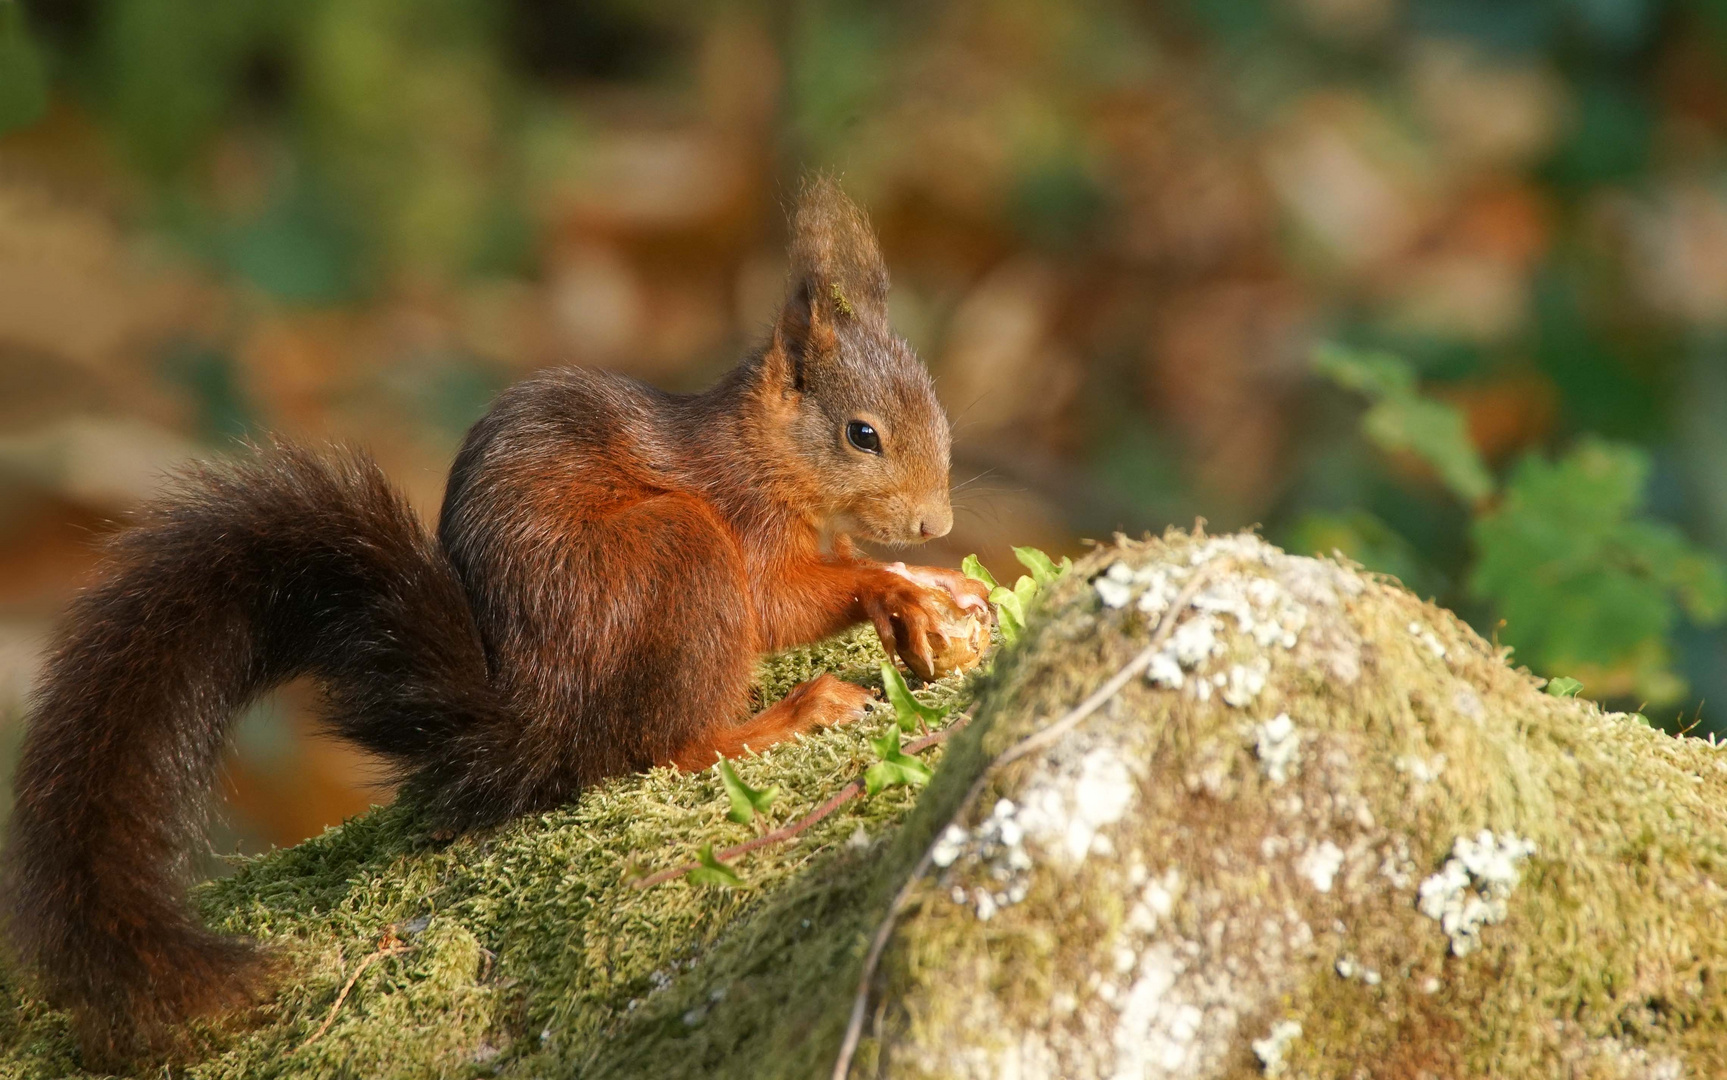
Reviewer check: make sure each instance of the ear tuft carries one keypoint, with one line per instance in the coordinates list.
(834, 251)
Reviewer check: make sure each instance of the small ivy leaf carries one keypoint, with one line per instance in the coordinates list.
(907, 772)
(895, 767)
(1043, 568)
(1563, 686)
(883, 774)
(713, 872)
(1639, 718)
(972, 568)
(908, 710)
(1026, 588)
(916, 773)
(746, 800)
(1010, 613)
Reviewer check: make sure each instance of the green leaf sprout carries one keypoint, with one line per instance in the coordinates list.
(746, 800)
(972, 568)
(908, 710)
(713, 872)
(895, 767)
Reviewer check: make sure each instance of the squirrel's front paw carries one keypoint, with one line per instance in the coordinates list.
(969, 593)
(929, 622)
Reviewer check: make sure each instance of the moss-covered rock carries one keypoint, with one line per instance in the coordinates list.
(1331, 834)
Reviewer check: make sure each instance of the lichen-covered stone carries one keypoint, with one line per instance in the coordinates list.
(1255, 904)
(1257, 859)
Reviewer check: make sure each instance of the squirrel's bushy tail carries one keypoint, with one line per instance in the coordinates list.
(245, 577)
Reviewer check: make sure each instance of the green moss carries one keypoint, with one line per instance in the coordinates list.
(1189, 929)
(530, 949)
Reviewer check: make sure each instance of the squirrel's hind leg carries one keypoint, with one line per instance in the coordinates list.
(819, 702)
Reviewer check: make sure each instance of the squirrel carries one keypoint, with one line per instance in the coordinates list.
(609, 562)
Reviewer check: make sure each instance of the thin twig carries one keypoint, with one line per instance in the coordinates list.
(389, 946)
(786, 832)
(1040, 739)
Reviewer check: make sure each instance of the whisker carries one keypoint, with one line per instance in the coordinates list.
(988, 489)
(984, 498)
(990, 513)
(962, 485)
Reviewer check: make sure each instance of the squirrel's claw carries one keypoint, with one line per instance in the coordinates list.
(918, 626)
(884, 630)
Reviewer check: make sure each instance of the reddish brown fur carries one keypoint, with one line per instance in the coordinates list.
(610, 561)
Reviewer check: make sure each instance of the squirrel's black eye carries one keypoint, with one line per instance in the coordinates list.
(862, 436)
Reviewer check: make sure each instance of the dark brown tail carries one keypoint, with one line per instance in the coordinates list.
(248, 576)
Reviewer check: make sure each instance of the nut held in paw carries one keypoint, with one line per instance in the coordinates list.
(959, 636)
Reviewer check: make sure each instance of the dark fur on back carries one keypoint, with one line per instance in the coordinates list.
(244, 578)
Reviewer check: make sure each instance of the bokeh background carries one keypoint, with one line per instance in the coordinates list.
(1440, 284)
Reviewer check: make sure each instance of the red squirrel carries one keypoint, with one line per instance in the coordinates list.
(609, 562)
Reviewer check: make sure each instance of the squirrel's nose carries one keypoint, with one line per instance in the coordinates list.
(936, 521)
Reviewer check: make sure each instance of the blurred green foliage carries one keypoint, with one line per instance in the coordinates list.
(1585, 582)
(1565, 557)
(1401, 419)
(1508, 213)
(23, 74)
(388, 111)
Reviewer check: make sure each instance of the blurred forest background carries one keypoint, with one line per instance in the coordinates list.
(1441, 284)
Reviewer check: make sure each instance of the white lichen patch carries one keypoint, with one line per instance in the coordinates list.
(1194, 640)
(1161, 588)
(1244, 546)
(1271, 1050)
(1427, 638)
(1245, 681)
(1348, 967)
(1622, 1061)
(1419, 769)
(1165, 671)
(1115, 586)
(1063, 810)
(1319, 864)
(1247, 602)
(1172, 1005)
(1262, 608)
(997, 847)
(1061, 813)
(1155, 902)
(1157, 1033)
(1471, 890)
(1278, 745)
(949, 845)
(1396, 866)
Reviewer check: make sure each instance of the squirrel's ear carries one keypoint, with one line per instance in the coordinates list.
(837, 274)
(834, 253)
(803, 333)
